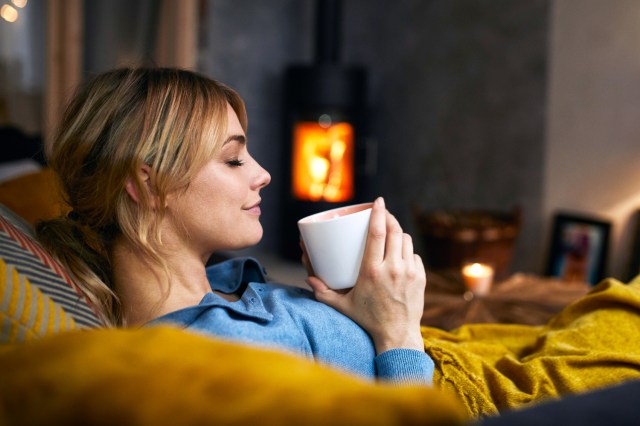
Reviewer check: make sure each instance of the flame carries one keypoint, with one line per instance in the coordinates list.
(323, 162)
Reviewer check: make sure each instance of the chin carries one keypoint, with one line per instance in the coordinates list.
(256, 241)
(248, 242)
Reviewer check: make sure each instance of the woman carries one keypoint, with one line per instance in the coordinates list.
(155, 167)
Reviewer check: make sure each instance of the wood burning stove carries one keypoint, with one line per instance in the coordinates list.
(326, 150)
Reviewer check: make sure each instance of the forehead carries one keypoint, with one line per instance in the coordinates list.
(233, 123)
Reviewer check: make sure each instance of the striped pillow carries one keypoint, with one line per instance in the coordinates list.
(34, 267)
(25, 312)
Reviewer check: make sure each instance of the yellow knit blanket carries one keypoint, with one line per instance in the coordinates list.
(593, 343)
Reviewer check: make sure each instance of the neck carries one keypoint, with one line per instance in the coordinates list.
(148, 289)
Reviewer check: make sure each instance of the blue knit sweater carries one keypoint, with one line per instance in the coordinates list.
(289, 318)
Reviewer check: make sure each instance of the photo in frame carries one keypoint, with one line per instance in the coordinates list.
(579, 247)
(634, 259)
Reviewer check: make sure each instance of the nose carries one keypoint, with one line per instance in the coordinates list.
(262, 179)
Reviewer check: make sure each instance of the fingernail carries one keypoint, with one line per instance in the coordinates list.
(380, 201)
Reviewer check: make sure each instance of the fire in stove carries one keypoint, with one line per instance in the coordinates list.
(323, 160)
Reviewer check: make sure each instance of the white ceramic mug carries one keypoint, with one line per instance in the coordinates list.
(335, 240)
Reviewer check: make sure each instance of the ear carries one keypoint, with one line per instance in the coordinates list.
(144, 176)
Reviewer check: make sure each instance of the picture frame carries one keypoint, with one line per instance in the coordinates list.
(634, 258)
(579, 248)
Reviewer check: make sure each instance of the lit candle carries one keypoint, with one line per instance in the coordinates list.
(478, 277)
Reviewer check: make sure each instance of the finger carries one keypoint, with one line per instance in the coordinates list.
(407, 247)
(375, 245)
(395, 238)
(316, 284)
(420, 270)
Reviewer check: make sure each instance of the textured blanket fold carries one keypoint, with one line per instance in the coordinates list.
(592, 343)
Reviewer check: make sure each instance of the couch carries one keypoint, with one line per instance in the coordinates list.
(60, 365)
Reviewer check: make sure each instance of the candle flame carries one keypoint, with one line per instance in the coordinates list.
(477, 270)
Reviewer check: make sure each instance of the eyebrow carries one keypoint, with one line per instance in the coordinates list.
(241, 139)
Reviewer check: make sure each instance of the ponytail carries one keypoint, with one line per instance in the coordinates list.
(83, 252)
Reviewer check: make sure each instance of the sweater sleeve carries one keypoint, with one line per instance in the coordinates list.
(405, 366)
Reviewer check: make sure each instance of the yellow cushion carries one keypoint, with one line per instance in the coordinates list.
(162, 375)
(33, 196)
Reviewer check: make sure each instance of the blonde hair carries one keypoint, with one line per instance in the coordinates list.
(171, 120)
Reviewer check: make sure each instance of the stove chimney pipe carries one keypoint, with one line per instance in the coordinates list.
(328, 31)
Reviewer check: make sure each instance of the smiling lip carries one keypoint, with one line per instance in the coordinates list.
(255, 209)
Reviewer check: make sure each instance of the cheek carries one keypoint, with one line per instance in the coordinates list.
(220, 198)
(217, 192)
(229, 188)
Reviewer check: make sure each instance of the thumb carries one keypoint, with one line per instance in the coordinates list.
(323, 293)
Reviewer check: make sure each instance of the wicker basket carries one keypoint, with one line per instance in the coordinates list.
(451, 238)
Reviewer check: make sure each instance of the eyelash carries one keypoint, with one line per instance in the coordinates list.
(235, 163)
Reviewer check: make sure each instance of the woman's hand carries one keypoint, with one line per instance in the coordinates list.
(388, 298)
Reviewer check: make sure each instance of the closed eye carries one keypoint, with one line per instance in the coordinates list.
(235, 163)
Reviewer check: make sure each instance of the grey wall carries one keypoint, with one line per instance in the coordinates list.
(457, 91)
(593, 128)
